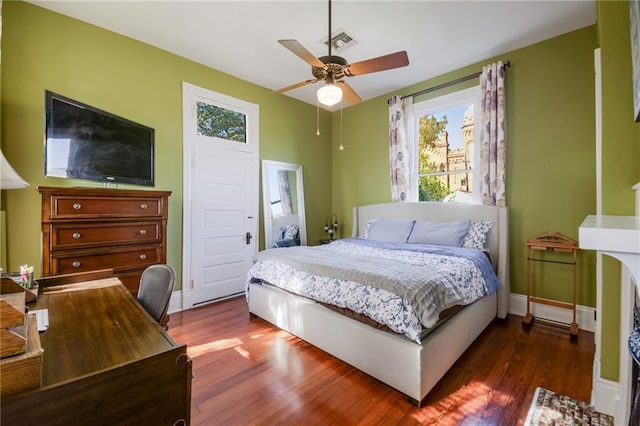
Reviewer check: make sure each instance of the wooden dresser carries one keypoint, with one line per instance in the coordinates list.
(84, 229)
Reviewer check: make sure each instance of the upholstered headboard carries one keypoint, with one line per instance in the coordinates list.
(497, 240)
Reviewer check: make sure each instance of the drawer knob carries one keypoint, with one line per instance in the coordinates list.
(143, 256)
(143, 231)
(76, 264)
(143, 206)
(76, 235)
(77, 206)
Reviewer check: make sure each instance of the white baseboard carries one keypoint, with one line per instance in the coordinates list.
(584, 314)
(180, 301)
(175, 303)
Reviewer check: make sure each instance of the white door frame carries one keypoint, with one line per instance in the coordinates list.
(189, 92)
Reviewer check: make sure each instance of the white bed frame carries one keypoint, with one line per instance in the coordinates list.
(411, 368)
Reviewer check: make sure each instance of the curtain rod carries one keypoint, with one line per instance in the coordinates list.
(450, 83)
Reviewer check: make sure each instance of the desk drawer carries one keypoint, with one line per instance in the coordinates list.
(120, 259)
(87, 207)
(81, 235)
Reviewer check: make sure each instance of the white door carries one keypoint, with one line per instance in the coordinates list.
(221, 197)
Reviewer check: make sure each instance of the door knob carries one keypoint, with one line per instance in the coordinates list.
(249, 236)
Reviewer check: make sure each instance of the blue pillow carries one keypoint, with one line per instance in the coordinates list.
(287, 242)
(440, 233)
(389, 230)
(278, 232)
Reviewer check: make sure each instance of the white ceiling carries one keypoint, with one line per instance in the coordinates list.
(240, 37)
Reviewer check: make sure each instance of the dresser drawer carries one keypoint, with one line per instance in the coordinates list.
(120, 259)
(85, 235)
(87, 207)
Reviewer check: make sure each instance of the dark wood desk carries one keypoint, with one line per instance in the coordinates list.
(105, 361)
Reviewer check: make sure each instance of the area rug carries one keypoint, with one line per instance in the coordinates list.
(550, 408)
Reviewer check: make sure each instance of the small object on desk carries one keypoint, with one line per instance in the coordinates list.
(42, 319)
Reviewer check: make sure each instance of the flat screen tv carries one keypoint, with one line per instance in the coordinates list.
(83, 142)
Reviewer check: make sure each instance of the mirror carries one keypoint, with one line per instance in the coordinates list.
(283, 204)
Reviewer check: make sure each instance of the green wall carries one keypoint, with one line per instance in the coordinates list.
(44, 50)
(550, 153)
(620, 159)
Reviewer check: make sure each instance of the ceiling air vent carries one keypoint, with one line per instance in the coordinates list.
(340, 40)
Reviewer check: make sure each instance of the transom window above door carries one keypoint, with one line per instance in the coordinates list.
(218, 122)
(445, 152)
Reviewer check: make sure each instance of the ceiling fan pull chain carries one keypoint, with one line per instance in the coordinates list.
(317, 118)
(341, 147)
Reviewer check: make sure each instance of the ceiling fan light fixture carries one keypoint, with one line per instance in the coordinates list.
(329, 94)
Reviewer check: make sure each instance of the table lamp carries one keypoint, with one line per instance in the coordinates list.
(9, 179)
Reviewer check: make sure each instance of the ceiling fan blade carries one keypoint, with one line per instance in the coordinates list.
(295, 86)
(300, 51)
(348, 94)
(381, 63)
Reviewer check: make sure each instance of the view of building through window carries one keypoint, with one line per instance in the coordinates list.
(445, 154)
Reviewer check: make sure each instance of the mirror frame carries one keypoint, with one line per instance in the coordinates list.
(266, 200)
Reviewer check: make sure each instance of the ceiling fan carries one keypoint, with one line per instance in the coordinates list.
(331, 69)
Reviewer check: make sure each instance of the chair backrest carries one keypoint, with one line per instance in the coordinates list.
(156, 285)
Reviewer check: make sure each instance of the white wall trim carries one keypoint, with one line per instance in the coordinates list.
(584, 314)
(175, 303)
(605, 394)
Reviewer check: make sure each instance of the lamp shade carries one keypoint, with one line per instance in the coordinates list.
(329, 94)
(9, 179)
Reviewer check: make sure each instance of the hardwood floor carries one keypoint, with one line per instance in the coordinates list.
(247, 371)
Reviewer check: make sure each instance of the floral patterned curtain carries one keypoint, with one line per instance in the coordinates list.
(492, 136)
(400, 165)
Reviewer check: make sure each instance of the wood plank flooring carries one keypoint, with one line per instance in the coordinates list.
(247, 371)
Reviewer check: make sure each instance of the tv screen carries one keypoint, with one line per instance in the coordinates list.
(83, 142)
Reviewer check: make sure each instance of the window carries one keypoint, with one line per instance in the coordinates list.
(221, 123)
(445, 152)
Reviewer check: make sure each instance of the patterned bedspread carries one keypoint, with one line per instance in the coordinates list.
(403, 286)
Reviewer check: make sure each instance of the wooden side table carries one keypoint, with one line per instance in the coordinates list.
(558, 243)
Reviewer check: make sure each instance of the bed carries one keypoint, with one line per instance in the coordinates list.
(411, 367)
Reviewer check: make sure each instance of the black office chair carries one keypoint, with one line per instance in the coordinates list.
(156, 285)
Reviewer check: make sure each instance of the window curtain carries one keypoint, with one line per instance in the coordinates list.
(492, 136)
(400, 155)
(285, 192)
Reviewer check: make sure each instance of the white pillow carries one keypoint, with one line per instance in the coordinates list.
(477, 235)
(389, 230)
(440, 233)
